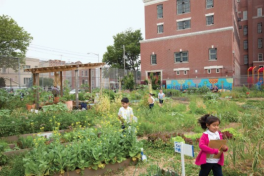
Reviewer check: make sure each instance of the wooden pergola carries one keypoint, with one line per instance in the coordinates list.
(60, 69)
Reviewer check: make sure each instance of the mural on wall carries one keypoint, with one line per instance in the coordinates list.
(221, 83)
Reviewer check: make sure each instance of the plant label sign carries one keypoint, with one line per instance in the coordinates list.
(187, 149)
(183, 149)
(47, 135)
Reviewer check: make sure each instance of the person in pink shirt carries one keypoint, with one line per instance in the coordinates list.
(211, 126)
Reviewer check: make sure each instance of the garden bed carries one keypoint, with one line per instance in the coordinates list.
(108, 168)
(16, 137)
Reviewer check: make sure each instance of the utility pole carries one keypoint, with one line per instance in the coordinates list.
(124, 54)
(18, 72)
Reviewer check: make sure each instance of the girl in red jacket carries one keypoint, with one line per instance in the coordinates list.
(211, 125)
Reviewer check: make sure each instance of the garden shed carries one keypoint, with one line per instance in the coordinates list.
(58, 79)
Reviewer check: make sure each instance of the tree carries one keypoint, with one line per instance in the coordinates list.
(114, 55)
(128, 81)
(14, 41)
(2, 82)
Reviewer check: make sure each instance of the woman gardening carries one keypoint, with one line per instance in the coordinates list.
(211, 125)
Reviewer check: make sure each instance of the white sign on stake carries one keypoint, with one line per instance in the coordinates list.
(183, 149)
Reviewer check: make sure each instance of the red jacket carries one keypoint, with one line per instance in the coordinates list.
(203, 145)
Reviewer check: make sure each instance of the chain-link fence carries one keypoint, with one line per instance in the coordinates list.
(15, 79)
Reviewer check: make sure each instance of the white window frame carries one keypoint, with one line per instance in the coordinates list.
(184, 24)
(245, 15)
(151, 59)
(210, 54)
(158, 29)
(217, 70)
(245, 27)
(181, 57)
(260, 54)
(159, 17)
(185, 72)
(209, 6)
(207, 20)
(259, 12)
(209, 71)
(183, 6)
(245, 44)
(178, 72)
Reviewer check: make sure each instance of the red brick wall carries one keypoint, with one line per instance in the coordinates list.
(222, 18)
(198, 47)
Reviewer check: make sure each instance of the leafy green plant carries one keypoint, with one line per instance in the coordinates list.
(203, 90)
(129, 81)
(60, 107)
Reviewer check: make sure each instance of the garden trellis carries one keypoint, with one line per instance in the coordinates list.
(58, 76)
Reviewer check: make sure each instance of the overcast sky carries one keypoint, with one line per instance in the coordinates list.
(69, 29)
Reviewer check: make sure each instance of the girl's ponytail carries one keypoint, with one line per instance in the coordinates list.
(202, 121)
(207, 119)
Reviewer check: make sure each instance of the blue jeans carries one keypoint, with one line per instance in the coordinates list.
(206, 169)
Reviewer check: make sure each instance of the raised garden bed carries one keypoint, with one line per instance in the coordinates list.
(15, 138)
(108, 168)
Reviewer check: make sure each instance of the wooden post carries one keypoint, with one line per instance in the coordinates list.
(101, 83)
(77, 87)
(90, 80)
(34, 79)
(61, 86)
(37, 90)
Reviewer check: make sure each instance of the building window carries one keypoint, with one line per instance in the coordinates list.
(209, 71)
(4, 70)
(245, 29)
(185, 72)
(92, 72)
(259, 28)
(245, 44)
(259, 12)
(210, 20)
(177, 72)
(26, 81)
(260, 43)
(160, 28)
(52, 74)
(209, 4)
(245, 59)
(213, 54)
(217, 70)
(181, 57)
(184, 24)
(86, 73)
(153, 59)
(160, 11)
(260, 57)
(183, 6)
(244, 15)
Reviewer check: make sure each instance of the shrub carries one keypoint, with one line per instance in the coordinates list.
(210, 96)
(203, 90)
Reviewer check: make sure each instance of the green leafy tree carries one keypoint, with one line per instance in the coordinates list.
(114, 54)
(14, 41)
(2, 82)
(129, 81)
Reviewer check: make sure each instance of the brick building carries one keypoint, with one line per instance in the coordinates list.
(188, 39)
(251, 19)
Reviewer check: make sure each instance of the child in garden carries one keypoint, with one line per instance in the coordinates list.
(161, 95)
(125, 113)
(211, 125)
(151, 101)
